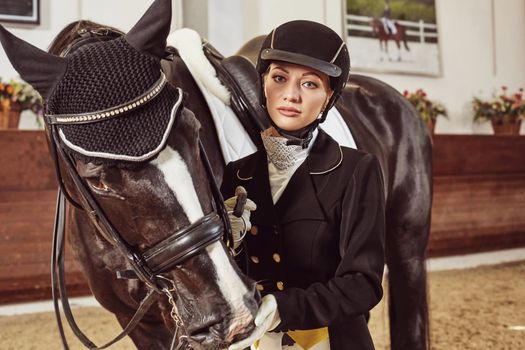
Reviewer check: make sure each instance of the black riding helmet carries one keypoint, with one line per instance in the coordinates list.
(309, 44)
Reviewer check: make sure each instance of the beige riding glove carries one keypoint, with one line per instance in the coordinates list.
(240, 225)
(266, 320)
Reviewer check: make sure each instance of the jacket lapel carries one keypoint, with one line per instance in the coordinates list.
(301, 198)
(253, 176)
(326, 155)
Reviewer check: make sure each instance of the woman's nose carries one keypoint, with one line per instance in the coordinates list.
(292, 93)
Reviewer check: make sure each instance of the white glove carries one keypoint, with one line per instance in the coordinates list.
(267, 319)
(239, 225)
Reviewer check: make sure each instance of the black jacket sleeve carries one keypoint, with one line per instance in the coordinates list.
(356, 286)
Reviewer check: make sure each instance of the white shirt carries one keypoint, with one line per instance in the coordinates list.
(279, 178)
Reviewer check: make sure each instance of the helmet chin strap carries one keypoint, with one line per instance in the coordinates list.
(301, 137)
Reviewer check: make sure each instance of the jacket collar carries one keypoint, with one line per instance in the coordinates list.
(326, 155)
(296, 201)
(302, 198)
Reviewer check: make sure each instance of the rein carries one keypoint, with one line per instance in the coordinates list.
(147, 266)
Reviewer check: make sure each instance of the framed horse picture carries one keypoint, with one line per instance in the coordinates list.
(393, 36)
(20, 11)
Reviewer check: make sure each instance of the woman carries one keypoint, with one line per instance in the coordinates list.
(316, 243)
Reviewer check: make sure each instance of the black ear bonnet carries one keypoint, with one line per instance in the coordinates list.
(107, 96)
(103, 75)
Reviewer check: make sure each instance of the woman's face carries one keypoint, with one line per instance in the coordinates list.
(295, 95)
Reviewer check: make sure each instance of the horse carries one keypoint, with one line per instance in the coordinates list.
(145, 227)
(383, 123)
(378, 30)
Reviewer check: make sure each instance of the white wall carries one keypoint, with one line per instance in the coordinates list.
(233, 22)
(56, 14)
(471, 63)
(225, 19)
(468, 59)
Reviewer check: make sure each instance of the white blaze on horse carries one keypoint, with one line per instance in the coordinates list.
(143, 204)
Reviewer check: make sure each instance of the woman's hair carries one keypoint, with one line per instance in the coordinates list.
(74, 31)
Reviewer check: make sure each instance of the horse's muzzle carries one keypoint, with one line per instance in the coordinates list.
(220, 333)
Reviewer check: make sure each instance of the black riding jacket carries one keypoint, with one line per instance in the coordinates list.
(320, 249)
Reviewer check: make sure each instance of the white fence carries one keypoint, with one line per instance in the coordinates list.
(413, 28)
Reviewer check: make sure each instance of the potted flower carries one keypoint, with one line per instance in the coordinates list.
(428, 110)
(14, 98)
(504, 111)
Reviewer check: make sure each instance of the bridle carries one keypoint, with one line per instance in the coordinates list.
(147, 266)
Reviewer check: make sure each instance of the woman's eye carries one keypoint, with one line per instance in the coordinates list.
(310, 85)
(278, 78)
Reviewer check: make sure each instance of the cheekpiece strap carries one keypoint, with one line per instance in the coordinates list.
(112, 112)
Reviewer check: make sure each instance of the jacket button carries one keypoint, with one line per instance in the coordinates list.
(259, 287)
(276, 258)
(254, 259)
(254, 230)
(280, 285)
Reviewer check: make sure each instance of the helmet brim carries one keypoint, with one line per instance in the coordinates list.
(327, 68)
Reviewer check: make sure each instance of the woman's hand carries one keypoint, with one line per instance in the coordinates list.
(267, 319)
(239, 214)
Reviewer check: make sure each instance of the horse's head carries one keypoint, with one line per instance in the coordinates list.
(129, 152)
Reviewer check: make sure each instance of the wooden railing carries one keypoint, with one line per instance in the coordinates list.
(27, 205)
(479, 204)
(416, 31)
(479, 193)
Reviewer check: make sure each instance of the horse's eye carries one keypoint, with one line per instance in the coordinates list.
(98, 185)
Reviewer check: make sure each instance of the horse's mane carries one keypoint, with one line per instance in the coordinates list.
(73, 31)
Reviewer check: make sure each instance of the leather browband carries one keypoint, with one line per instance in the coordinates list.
(184, 243)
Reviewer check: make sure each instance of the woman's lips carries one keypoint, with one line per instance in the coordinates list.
(289, 111)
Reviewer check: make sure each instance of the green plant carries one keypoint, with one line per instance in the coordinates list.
(409, 10)
(427, 109)
(503, 108)
(19, 96)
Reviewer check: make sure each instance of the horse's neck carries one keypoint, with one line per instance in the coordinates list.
(236, 127)
(179, 75)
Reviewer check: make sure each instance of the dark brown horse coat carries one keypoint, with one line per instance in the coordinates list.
(320, 249)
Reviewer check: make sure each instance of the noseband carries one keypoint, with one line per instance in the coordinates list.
(147, 266)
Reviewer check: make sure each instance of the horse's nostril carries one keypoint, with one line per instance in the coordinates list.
(203, 328)
(243, 333)
(219, 330)
(207, 338)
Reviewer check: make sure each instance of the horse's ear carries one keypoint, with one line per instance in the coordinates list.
(150, 33)
(37, 67)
